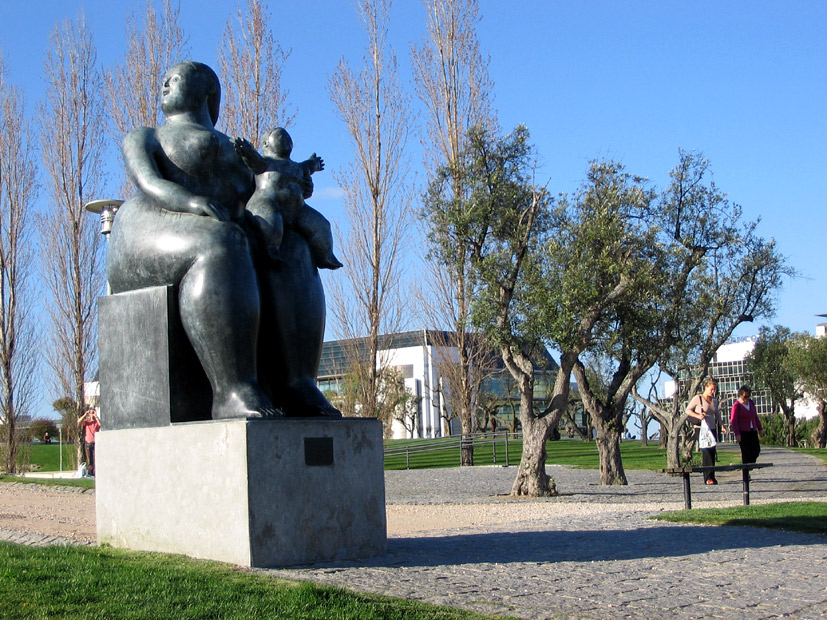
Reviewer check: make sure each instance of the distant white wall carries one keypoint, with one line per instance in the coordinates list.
(422, 379)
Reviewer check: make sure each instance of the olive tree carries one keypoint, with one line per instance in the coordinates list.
(609, 223)
(769, 363)
(719, 274)
(808, 361)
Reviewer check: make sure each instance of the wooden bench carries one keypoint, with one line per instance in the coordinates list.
(745, 468)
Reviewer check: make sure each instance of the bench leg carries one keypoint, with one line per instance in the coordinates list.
(687, 493)
(746, 486)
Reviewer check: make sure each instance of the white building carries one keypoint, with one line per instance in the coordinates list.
(418, 356)
(413, 354)
(728, 369)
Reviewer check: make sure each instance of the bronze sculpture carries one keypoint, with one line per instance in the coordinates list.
(256, 325)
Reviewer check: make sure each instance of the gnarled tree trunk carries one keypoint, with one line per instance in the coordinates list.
(608, 449)
(532, 479)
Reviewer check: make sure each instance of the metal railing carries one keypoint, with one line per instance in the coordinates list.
(417, 447)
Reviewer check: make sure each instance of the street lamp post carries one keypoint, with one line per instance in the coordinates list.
(107, 209)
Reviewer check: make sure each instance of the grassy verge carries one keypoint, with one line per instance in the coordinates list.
(808, 517)
(822, 454)
(574, 453)
(81, 583)
(84, 483)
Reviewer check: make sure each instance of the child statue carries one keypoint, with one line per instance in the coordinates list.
(282, 185)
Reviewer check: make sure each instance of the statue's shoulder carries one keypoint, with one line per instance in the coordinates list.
(141, 136)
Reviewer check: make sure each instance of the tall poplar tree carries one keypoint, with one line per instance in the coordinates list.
(154, 42)
(375, 111)
(72, 135)
(18, 342)
(250, 63)
(452, 81)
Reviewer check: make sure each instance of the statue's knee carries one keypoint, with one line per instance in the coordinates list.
(229, 241)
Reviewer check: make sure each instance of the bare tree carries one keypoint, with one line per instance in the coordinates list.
(18, 188)
(377, 198)
(464, 361)
(72, 135)
(251, 64)
(154, 42)
(451, 76)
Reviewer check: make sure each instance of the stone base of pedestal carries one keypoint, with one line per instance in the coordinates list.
(254, 493)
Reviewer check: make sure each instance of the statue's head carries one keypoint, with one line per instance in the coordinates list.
(187, 84)
(277, 142)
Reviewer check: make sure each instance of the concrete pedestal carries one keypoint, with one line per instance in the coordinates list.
(258, 493)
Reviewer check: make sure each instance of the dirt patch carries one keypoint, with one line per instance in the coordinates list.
(60, 511)
(51, 511)
(68, 513)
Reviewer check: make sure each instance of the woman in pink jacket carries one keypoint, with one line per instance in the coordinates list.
(744, 422)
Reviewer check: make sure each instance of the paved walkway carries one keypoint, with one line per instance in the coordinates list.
(608, 562)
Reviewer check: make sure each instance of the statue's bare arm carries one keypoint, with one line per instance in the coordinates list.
(249, 155)
(313, 164)
(140, 148)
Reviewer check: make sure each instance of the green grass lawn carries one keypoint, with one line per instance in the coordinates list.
(573, 452)
(48, 456)
(822, 454)
(104, 583)
(809, 517)
(84, 483)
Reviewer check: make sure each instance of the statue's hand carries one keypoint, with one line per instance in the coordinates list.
(318, 162)
(242, 145)
(307, 187)
(202, 205)
(249, 155)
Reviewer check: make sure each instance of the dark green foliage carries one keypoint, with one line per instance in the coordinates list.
(777, 430)
(770, 364)
(808, 359)
(40, 426)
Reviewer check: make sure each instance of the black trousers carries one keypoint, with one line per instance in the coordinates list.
(90, 458)
(750, 448)
(710, 456)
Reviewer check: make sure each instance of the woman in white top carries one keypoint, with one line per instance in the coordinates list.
(704, 407)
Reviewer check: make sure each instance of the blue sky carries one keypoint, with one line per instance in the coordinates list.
(744, 82)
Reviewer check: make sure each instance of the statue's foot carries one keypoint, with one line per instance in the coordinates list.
(244, 401)
(304, 400)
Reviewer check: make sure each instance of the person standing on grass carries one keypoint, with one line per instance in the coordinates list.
(90, 424)
(704, 408)
(745, 423)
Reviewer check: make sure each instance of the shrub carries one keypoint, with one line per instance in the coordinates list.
(40, 426)
(775, 430)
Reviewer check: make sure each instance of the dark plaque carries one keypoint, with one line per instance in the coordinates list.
(318, 451)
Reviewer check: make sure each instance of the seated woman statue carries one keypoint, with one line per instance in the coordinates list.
(256, 327)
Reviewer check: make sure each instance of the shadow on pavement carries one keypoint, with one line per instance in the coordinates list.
(582, 545)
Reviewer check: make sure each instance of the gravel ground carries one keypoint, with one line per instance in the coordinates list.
(36, 514)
